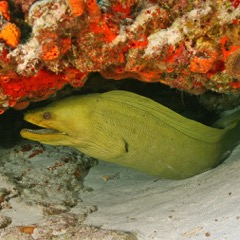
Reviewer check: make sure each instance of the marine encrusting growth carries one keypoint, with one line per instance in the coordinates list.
(134, 131)
(44, 45)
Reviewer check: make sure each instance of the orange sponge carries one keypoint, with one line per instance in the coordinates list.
(4, 9)
(10, 34)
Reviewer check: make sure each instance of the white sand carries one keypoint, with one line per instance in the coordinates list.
(203, 207)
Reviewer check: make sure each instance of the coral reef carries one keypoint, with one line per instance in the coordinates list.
(190, 45)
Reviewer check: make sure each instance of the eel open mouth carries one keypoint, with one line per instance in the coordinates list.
(39, 130)
(36, 129)
(43, 131)
(44, 135)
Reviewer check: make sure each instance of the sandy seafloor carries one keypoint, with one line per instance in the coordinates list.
(41, 197)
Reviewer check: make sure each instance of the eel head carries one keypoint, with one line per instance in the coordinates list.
(60, 123)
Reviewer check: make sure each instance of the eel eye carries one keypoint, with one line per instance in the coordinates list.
(47, 115)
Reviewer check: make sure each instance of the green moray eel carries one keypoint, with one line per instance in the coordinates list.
(134, 131)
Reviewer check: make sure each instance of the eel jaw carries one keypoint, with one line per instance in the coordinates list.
(44, 135)
(43, 131)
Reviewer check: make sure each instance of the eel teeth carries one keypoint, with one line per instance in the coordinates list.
(44, 131)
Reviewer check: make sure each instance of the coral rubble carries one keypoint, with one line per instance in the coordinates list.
(189, 45)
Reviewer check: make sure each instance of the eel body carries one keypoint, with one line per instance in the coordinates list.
(134, 131)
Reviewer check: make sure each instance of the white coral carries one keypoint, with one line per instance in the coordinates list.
(27, 57)
(181, 27)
